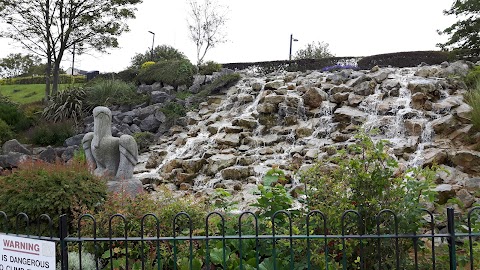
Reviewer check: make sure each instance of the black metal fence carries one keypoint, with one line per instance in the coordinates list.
(440, 246)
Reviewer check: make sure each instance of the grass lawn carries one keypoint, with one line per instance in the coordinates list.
(26, 93)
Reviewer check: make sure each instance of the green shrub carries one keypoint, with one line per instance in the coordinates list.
(172, 72)
(6, 132)
(37, 188)
(473, 77)
(473, 99)
(164, 207)
(365, 178)
(12, 114)
(209, 68)
(103, 92)
(173, 111)
(48, 133)
(64, 105)
(144, 140)
(128, 75)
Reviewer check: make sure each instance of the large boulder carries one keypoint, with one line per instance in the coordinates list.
(237, 172)
(347, 115)
(14, 146)
(219, 162)
(273, 85)
(314, 97)
(467, 160)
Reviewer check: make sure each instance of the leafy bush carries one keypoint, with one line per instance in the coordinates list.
(12, 114)
(37, 188)
(473, 99)
(160, 53)
(209, 67)
(48, 133)
(173, 111)
(64, 105)
(144, 140)
(164, 208)
(473, 77)
(103, 92)
(173, 72)
(128, 75)
(365, 178)
(6, 132)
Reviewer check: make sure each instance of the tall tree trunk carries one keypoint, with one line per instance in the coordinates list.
(48, 75)
(56, 77)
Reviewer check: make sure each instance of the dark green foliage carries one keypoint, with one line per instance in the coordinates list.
(209, 67)
(41, 188)
(103, 92)
(127, 75)
(473, 77)
(12, 114)
(6, 132)
(160, 53)
(464, 34)
(173, 111)
(64, 105)
(173, 72)
(53, 134)
(144, 140)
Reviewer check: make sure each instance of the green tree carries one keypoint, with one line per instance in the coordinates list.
(48, 28)
(465, 33)
(160, 53)
(206, 23)
(314, 50)
(16, 64)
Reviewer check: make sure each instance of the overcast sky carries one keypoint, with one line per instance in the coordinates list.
(259, 30)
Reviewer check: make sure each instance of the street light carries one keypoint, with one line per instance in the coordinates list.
(153, 43)
(291, 39)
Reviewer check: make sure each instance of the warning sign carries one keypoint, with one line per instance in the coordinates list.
(17, 253)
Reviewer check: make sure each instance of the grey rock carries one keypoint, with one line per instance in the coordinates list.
(48, 155)
(12, 160)
(14, 146)
(160, 97)
(150, 124)
(365, 88)
(272, 85)
(74, 140)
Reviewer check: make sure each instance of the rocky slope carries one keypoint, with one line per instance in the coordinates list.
(289, 119)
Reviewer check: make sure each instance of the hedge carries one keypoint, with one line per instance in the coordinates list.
(63, 79)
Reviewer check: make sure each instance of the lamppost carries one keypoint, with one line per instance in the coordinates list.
(291, 39)
(153, 43)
